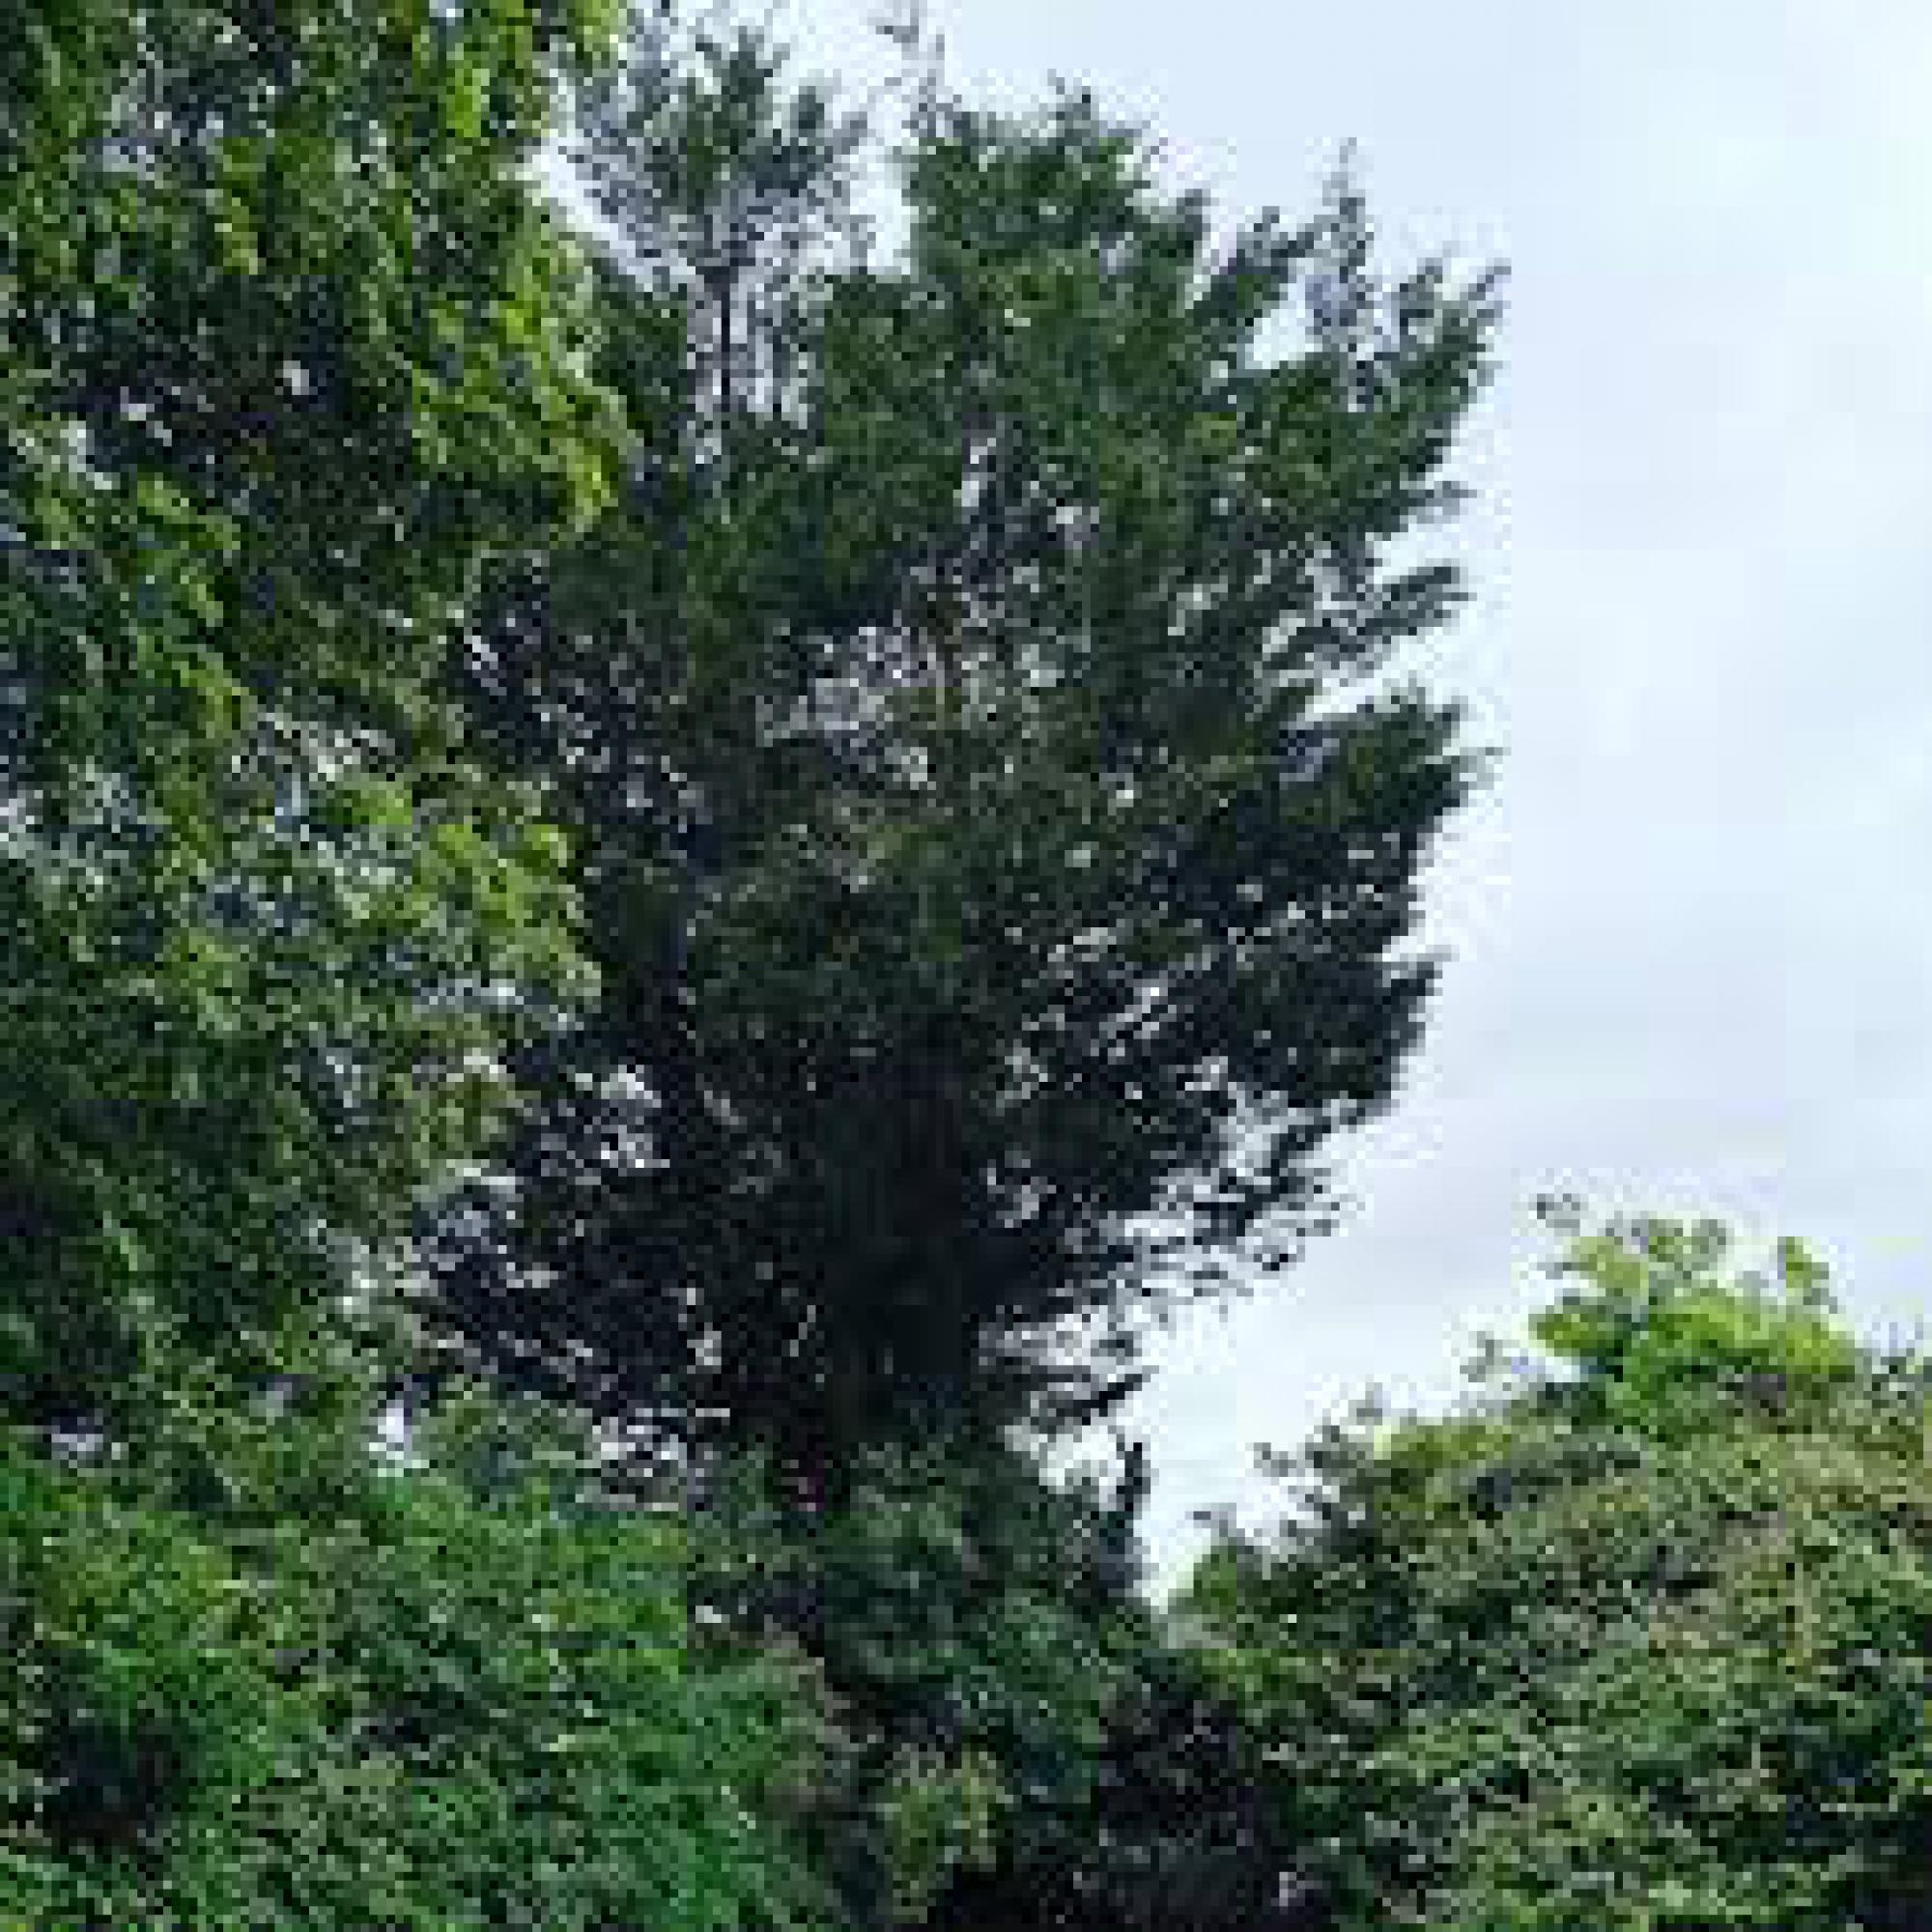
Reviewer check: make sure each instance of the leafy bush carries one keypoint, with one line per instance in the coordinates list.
(1642, 1642)
(437, 1710)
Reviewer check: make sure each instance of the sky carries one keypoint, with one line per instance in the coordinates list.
(1690, 959)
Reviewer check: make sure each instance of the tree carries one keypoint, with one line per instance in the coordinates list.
(1641, 1638)
(289, 347)
(999, 860)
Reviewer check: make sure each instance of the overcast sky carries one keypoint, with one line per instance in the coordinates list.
(1691, 951)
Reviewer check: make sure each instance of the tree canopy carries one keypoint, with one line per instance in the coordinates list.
(998, 851)
(290, 346)
(1638, 1640)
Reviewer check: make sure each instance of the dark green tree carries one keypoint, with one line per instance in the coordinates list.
(999, 847)
(970, 1621)
(1175, 1830)
(1023, 1743)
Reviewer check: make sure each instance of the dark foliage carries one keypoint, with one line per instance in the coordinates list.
(997, 859)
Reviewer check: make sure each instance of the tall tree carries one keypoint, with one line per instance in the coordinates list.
(289, 347)
(1000, 851)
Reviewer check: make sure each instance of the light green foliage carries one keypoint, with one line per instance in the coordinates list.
(1643, 1643)
(290, 348)
(1669, 1344)
(939, 1817)
(432, 1707)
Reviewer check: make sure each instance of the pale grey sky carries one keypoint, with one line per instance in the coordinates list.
(1690, 956)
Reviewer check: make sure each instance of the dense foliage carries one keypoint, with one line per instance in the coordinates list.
(433, 1704)
(996, 860)
(287, 347)
(710, 858)
(1641, 1639)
